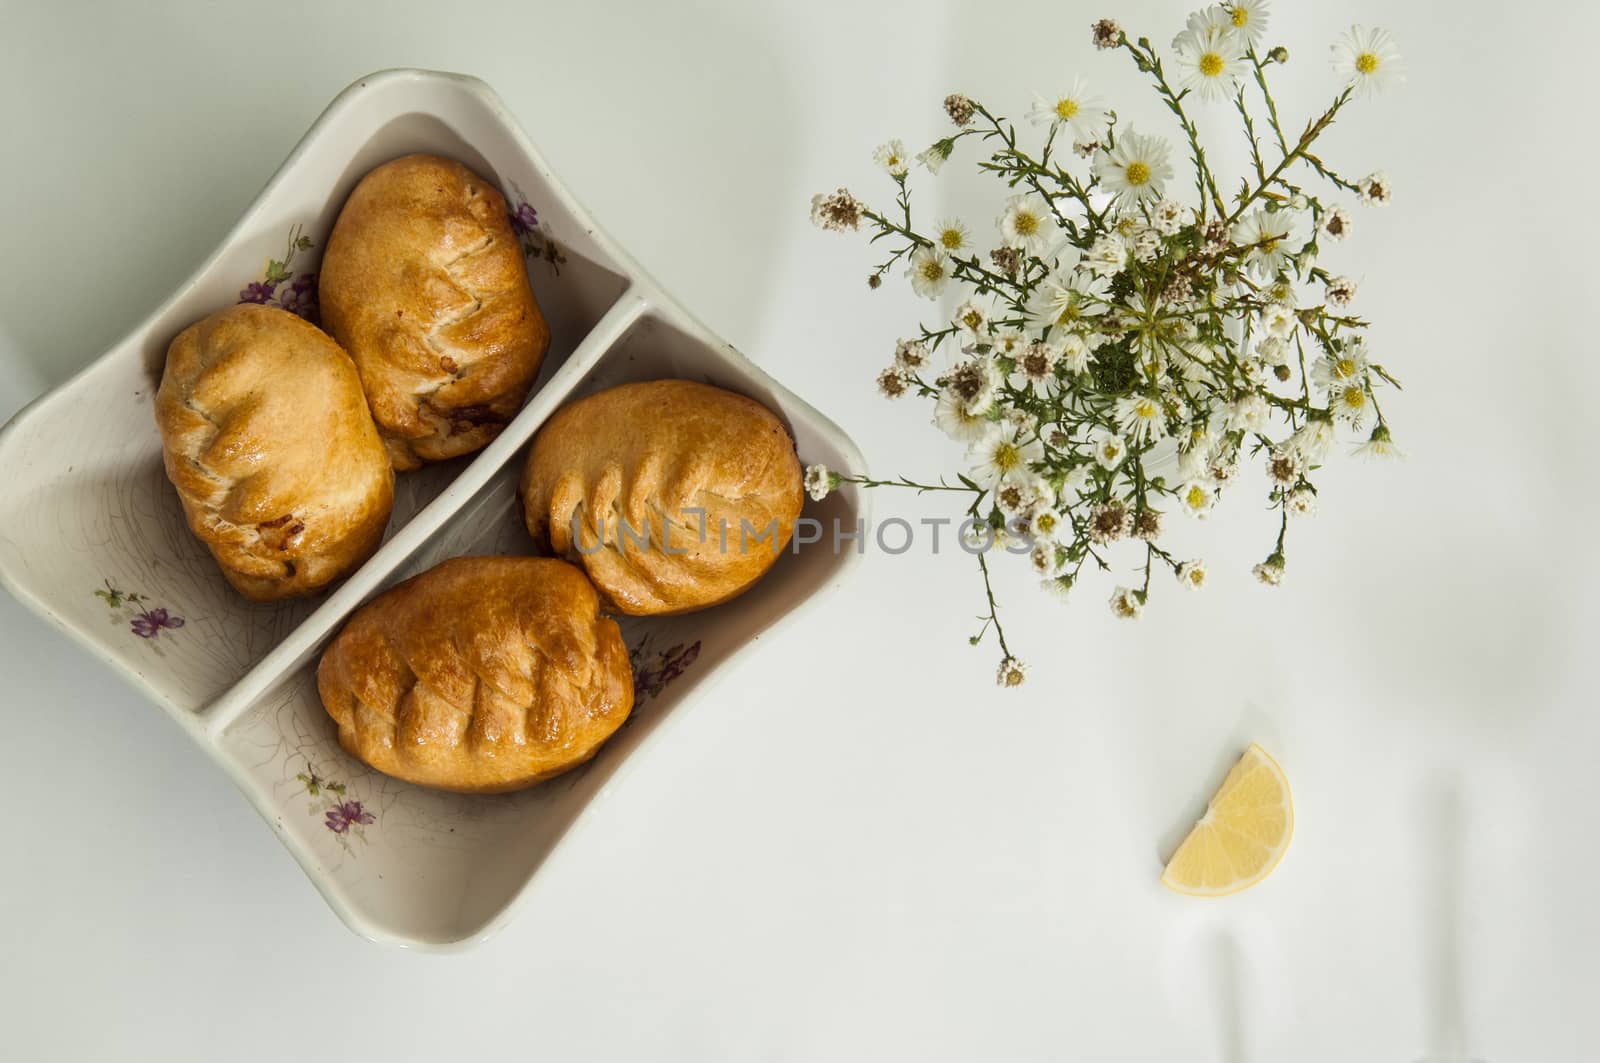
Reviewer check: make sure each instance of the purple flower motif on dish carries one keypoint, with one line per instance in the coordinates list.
(148, 624)
(651, 678)
(258, 292)
(299, 296)
(525, 219)
(346, 814)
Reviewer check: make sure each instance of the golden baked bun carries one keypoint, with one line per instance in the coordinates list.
(266, 435)
(481, 675)
(615, 482)
(424, 283)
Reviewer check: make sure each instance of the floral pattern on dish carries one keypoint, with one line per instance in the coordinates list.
(537, 244)
(344, 816)
(130, 607)
(281, 286)
(652, 672)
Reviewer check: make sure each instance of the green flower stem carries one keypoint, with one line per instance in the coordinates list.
(1144, 55)
(1314, 129)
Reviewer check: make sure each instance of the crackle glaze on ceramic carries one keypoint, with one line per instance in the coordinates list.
(93, 539)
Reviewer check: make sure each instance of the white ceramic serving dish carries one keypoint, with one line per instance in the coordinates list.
(92, 537)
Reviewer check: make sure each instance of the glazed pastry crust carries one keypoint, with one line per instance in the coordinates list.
(651, 454)
(481, 675)
(424, 283)
(266, 435)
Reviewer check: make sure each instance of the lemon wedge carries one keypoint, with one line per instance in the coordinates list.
(1242, 836)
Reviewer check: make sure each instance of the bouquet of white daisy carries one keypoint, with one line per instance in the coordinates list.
(1120, 349)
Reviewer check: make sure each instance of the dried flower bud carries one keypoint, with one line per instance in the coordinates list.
(892, 382)
(1216, 237)
(838, 212)
(1085, 149)
(874, 281)
(1281, 372)
(1007, 260)
(1106, 33)
(1280, 54)
(959, 108)
(1147, 524)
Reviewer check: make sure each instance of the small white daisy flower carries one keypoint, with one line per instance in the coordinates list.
(1061, 587)
(1126, 603)
(893, 158)
(1312, 441)
(929, 270)
(1352, 405)
(1074, 354)
(911, 355)
(954, 419)
(1348, 366)
(1302, 501)
(1109, 449)
(1249, 413)
(819, 481)
(1141, 418)
(1012, 673)
(935, 155)
(1083, 115)
(1375, 189)
(1271, 238)
(1192, 574)
(1047, 524)
(1020, 420)
(1136, 169)
(1335, 223)
(1170, 216)
(1197, 497)
(952, 236)
(1008, 343)
(1379, 445)
(1107, 255)
(1368, 59)
(1211, 55)
(1146, 243)
(1065, 298)
(1270, 571)
(1273, 350)
(1279, 320)
(1021, 495)
(972, 318)
(1028, 224)
(1248, 18)
(1000, 455)
(1045, 559)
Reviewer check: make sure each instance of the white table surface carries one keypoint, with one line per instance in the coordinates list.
(857, 848)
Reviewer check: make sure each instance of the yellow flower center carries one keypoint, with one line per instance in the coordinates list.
(1197, 576)
(1345, 368)
(1145, 409)
(1026, 224)
(1137, 173)
(1006, 457)
(932, 270)
(951, 239)
(1110, 451)
(1196, 497)
(1270, 243)
(1211, 64)
(972, 319)
(1366, 62)
(1013, 678)
(1066, 109)
(1240, 17)
(1355, 398)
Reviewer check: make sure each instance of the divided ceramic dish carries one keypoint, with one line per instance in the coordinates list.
(92, 536)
